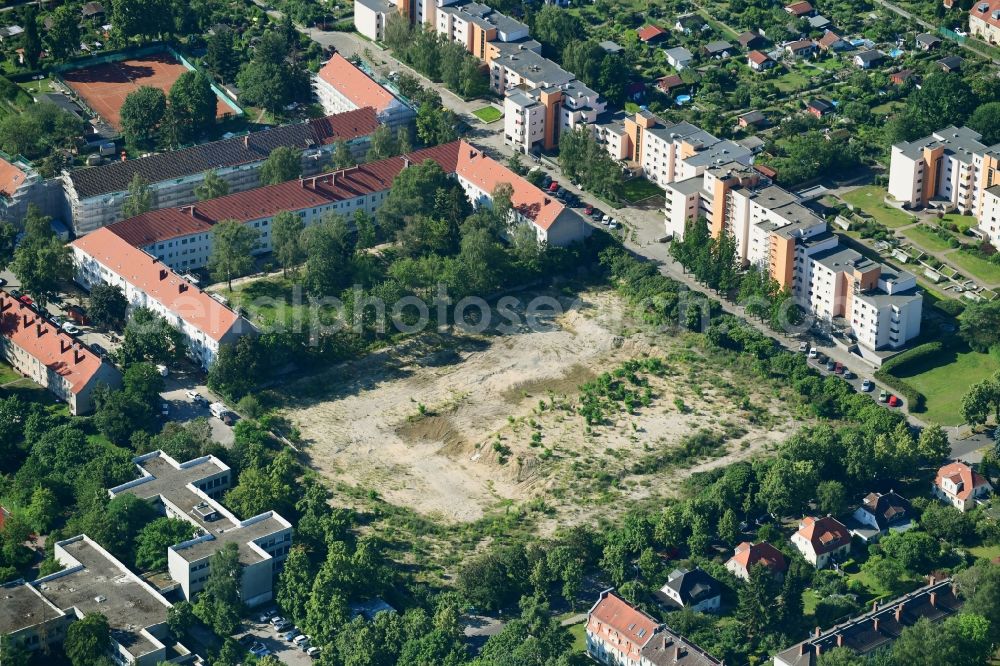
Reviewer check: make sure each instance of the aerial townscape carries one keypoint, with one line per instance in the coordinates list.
(500, 332)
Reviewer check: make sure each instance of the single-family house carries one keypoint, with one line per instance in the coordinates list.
(718, 49)
(818, 22)
(831, 41)
(821, 540)
(667, 84)
(689, 23)
(961, 486)
(751, 39)
(92, 9)
(751, 119)
(951, 63)
(754, 144)
(801, 48)
(901, 77)
(694, 589)
(879, 513)
(868, 59)
(10, 31)
(747, 555)
(800, 9)
(925, 41)
(651, 34)
(819, 107)
(679, 57)
(759, 62)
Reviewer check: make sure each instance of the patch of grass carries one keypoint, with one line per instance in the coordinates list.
(7, 374)
(926, 239)
(791, 81)
(579, 633)
(980, 269)
(637, 189)
(488, 114)
(944, 379)
(870, 200)
(988, 553)
(964, 222)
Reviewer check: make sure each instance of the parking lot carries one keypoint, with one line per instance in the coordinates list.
(264, 634)
(820, 363)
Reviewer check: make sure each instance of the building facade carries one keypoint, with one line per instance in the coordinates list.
(341, 86)
(52, 358)
(95, 196)
(984, 21)
(190, 491)
(821, 540)
(206, 323)
(961, 486)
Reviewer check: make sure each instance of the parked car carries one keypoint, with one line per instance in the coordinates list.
(313, 652)
(831, 366)
(164, 410)
(839, 368)
(99, 350)
(277, 619)
(259, 650)
(196, 397)
(605, 219)
(613, 225)
(803, 347)
(289, 635)
(162, 369)
(883, 396)
(265, 615)
(866, 385)
(284, 625)
(298, 640)
(596, 215)
(553, 186)
(25, 299)
(3, 283)
(70, 328)
(588, 210)
(813, 353)
(894, 401)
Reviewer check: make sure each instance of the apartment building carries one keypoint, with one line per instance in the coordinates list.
(535, 118)
(371, 16)
(880, 306)
(50, 357)
(17, 180)
(181, 237)
(37, 615)
(619, 634)
(95, 195)
(475, 25)
(190, 491)
(341, 86)
(984, 21)
(879, 627)
(667, 152)
(205, 323)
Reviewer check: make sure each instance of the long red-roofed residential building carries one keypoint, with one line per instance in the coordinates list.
(822, 539)
(51, 357)
(206, 324)
(182, 237)
(341, 86)
(619, 634)
(960, 485)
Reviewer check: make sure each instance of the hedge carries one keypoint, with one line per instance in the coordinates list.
(914, 398)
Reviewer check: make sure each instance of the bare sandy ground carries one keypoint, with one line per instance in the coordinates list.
(364, 425)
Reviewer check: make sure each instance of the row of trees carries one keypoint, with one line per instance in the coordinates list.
(179, 118)
(587, 162)
(437, 58)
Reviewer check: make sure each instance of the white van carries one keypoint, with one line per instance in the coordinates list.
(217, 409)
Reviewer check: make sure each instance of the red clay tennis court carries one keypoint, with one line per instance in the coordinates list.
(104, 87)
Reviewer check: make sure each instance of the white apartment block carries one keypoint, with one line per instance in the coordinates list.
(950, 169)
(190, 491)
(37, 615)
(341, 86)
(206, 324)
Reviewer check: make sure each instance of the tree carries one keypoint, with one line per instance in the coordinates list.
(139, 199)
(435, 125)
(295, 583)
(192, 106)
(148, 337)
(141, 114)
(108, 306)
(41, 262)
(212, 187)
(383, 144)
(885, 571)
(64, 34)
(221, 54)
(180, 618)
(986, 120)
(31, 41)
(43, 510)
(729, 527)
(8, 239)
(980, 399)
(328, 253)
(88, 640)
(555, 29)
(933, 445)
(283, 164)
(757, 609)
(156, 537)
(219, 604)
(840, 657)
(979, 325)
(286, 239)
(342, 156)
(831, 497)
(233, 244)
(365, 229)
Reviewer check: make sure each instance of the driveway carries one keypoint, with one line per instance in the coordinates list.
(265, 634)
(184, 409)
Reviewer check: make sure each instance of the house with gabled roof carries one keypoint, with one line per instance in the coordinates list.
(693, 589)
(880, 513)
(800, 9)
(801, 48)
(747, 555)
(831, 41)
(759, 62)
(651, 34)
(821, 540)
(961, 486)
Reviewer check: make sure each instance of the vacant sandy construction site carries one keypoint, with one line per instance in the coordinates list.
(445, 426)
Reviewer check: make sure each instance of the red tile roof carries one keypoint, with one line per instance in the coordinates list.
(798, 8)
(63, 355)
(650, 32)
(354, 84)
(669, 82)
(160, 283)
(987, 15)
(748, 554)
(11, 178)
(960, 473)
(757, 58)
(826, 534)
(264, 202)
(617, 615)
(800, 44)
(828, 39)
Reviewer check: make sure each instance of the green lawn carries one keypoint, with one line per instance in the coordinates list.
(791, 81)
(974, 266)
(888, 107)
(988, 553)
(488, 114)
(7, 374)
(945, 379)
(579, 632)
(926, 239)
(870, 200)
(963, 221)
(637, 189)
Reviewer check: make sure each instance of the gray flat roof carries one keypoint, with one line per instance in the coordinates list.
(961, 142)
(530, 65)
(241, 536)
(23, 606)
(725, 150)
(689, 186)
(773, 197)
(843, 258)
(104, 587)
(378, 5)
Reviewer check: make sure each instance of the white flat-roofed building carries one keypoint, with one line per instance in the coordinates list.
(190, 491)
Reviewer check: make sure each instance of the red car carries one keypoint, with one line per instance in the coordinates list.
(839, 368)
(588, 209)
(553, 186)
(893, 401)
(26, 299)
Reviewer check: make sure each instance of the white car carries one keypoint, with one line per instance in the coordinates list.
(813, 353)
(867, 385)
(605, 220)
(300, 639)
(162, 369)
(612, 225)
(803, 347)
(313, 652)
(70, 328)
